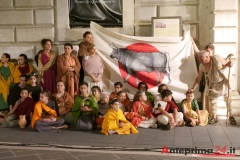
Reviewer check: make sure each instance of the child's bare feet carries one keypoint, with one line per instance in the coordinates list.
(111, 131)
(154, 126)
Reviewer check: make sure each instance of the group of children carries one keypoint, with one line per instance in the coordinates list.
(112, 113)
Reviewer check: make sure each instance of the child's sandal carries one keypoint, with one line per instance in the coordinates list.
(213, 120)
(232, 120)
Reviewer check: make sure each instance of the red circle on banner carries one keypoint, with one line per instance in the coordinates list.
(149, 78)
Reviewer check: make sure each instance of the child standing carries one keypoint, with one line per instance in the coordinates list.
(115, 122)
(167, 112)
(34, 88)
(192, 115)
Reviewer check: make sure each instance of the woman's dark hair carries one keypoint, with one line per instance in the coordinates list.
(210, 46)
(68, 44)
(142, 83)
(83, 83)
(120, 92)
(46, 93)
(24, 76)
(112, 101)
(165, 93)
(61, 81)
(7, 56)
(160, 87)
(44, 41)
(96, 87)
(33, 74)
(118, 84)
(25, 58)
(86, 33)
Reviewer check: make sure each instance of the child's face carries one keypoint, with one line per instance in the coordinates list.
(83, 89)
(33, 80)
(143, 97)
(60, 87)
(169, 98)
(24, 94)
(190, 97)
(115, 106)
(105, 99)
(43, 98)
(122, 97)
(117, 88)
(143, 88)
(95, 92)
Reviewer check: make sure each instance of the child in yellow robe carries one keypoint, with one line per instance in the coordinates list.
(115, 121)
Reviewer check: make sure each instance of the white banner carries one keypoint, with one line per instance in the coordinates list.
(131, 59)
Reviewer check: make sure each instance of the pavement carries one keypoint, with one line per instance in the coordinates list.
(16, 143)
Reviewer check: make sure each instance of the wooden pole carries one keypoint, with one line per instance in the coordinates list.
(228, 103)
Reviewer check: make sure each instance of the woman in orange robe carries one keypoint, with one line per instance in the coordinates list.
(68, 67)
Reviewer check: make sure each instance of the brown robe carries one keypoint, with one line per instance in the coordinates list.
(83, 49)
(66, 99)
(64, 74)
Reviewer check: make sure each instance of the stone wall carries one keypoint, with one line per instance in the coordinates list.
(23, 23)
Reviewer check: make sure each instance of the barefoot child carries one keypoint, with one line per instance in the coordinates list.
(23, 106)
(192, 115)
(45, 117)
(167, 112)
(115, 122)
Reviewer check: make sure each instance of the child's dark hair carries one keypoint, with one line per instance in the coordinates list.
(189, 92)
(83, 83)
(24, 89)
(96, 87)
(120, 92)
(142, 83)
(112, 101)
(24, 76)
(7, 56)
(46, 93)
(166, 93)
(68, 44)
(160, 87)
(61, 81)
(33, 74)
(118, 84)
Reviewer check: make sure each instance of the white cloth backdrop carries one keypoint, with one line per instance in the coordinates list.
(182, 61)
